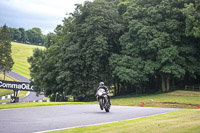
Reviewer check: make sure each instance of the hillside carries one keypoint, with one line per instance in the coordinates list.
(20, 53)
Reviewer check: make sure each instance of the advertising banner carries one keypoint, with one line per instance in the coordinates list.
(22, 86)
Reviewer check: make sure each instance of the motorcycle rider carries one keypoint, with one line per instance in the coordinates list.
(101, 85)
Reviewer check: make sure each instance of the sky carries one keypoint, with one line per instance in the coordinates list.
(44, 14)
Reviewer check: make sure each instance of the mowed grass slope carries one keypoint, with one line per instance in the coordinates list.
(20, 54)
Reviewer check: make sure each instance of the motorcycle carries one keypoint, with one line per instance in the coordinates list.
(102, 98)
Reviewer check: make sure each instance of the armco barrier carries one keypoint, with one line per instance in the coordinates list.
(7, 96)
(34, 101)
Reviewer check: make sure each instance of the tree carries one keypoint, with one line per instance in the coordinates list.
(86, 39)
(44, 69)
(93, 40)
(150, 45)
(6, 61)
(192, 12)
(134, 46)
(50, 40)
(23, 35)
(16, 34)
(35, 36)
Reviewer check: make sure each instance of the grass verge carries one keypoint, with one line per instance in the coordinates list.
(176, 99)
(23, 105)
(173, 122)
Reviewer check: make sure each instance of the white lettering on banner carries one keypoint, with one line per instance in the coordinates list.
(20, 86)
(0, 84)
(23, 86)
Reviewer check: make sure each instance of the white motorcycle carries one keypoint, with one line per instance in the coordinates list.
(102, 98)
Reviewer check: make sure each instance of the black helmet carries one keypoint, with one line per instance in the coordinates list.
(101, 83)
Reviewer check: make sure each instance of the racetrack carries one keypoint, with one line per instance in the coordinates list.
(37, 119)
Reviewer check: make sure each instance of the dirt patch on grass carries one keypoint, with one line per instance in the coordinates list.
(180, 103)
(185, 93)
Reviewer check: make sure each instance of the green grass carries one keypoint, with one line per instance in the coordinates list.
(5, 91)
(176, 99)
(20, 54)
(174, 122)
(22, 105)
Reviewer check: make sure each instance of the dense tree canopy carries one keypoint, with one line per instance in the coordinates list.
(192, 12)
(31, 36)
(133, 46)
(6, 61)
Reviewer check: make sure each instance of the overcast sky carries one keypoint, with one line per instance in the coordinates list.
(44, 14)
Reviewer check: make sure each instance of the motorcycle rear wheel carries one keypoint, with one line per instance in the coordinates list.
(107, 110)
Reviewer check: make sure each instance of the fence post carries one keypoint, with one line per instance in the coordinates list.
(185, 87)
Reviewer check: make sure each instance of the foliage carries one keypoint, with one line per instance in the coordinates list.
(31, 36)
(192, 12)
(87, 39)
(152, 44)
(6, 61)
(135, 46)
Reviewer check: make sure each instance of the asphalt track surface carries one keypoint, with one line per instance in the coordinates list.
(47, 118)
(32, 96)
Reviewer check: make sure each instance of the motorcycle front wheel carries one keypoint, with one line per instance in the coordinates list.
(101, 103)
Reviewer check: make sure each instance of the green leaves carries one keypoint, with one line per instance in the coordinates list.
(154, 33)
(192, 13)
(6, 61)
(133, 46)
(33, 36)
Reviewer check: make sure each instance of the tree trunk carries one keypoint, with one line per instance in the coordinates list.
(4, 74)
(168, 83)
(163, 84)
(136, 90)
(156, 84)
(115, 87)
(143, 88)
(118, 86)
